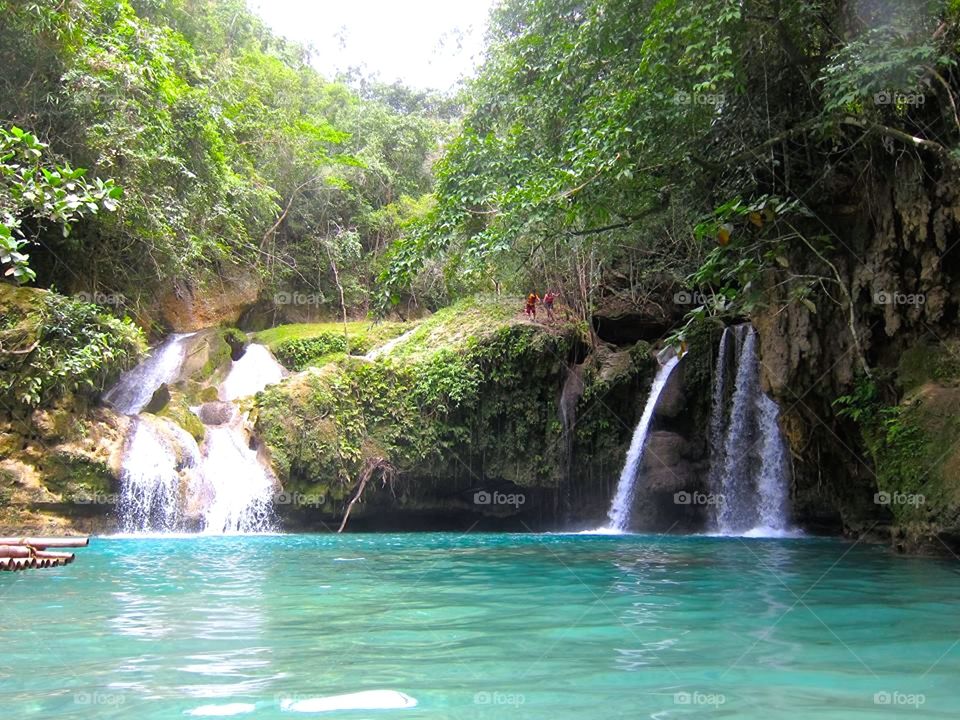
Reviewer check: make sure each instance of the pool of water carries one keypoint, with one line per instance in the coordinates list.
(481, 626)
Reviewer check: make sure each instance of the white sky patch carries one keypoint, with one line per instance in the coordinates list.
(423, 43)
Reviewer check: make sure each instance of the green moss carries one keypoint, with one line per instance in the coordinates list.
(916, 460)
(234, 335)
(469, 320)
(915, 447)
(306, 352)
(363, 335)
(927, 361)
(178, 410)
(218, 358)
(75, 476)
(485, 395)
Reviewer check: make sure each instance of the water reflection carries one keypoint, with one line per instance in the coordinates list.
(202, 614)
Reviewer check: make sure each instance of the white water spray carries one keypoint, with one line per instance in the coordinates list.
(750, 469)
(166, 481)
(251, 373)
(136, 387)
(621, 507)
(150, 485)
(718, 414)
(773, 482)
(242, 488)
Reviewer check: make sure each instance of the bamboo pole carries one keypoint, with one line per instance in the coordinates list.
(26, 552)
(20, 563)
(14, 564)
(42, 543)
(15, 551)
(65, 558)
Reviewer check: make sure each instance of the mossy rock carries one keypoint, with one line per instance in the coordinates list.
(207, 356)
(927, 361)
(476, 384)
(178, 410)
(917, 455)
(75, 476)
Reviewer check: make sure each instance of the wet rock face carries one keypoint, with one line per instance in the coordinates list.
(186, 307)
(238, 345)
(672, 399)
(56, 474)
(160, 399)
(893, 256)
(628, 328)
(671, 491)
(674, 482)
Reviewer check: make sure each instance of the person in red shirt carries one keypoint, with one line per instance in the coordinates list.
(548, 303)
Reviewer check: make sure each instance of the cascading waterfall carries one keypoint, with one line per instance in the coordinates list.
(150, 486)
(772, 487)
(737, 512)
(164, 474)
(621, 507)
(136, 387)
(749, 469)
(241, 485)
(718, 417)
(251, 373)
(242, 488)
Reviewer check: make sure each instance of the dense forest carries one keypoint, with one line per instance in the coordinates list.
(619, 380)
(207, 142)
(667, 167)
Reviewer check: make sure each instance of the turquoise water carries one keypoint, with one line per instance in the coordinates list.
(482, 626)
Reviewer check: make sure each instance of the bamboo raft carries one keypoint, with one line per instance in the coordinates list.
(34, 552)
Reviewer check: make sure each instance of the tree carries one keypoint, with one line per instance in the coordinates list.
(34, 189)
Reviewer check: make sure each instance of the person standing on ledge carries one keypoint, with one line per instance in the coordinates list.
(531, 307)
(548, 299)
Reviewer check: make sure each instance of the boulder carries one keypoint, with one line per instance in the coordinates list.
(160, 399)
(217, 413)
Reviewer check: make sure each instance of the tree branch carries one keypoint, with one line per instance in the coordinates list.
(902, 136)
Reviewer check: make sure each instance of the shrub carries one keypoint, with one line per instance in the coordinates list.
(58, 346)
(299, 354)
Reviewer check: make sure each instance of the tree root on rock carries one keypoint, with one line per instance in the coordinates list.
(387, 474)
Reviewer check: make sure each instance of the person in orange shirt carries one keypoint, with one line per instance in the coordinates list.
(531, 307)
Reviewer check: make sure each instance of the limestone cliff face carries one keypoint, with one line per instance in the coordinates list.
(59, 473)
(894, 250)
(220, 300)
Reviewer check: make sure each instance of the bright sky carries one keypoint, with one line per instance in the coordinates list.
(423, 43)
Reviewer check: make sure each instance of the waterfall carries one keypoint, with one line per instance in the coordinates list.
(166, 482)
(242, 487)
(251, 373)
(619, 513)
(136, 386)
(737, 512)
(773, 483)
(717, 415)
(749, 467)
(150, 485)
